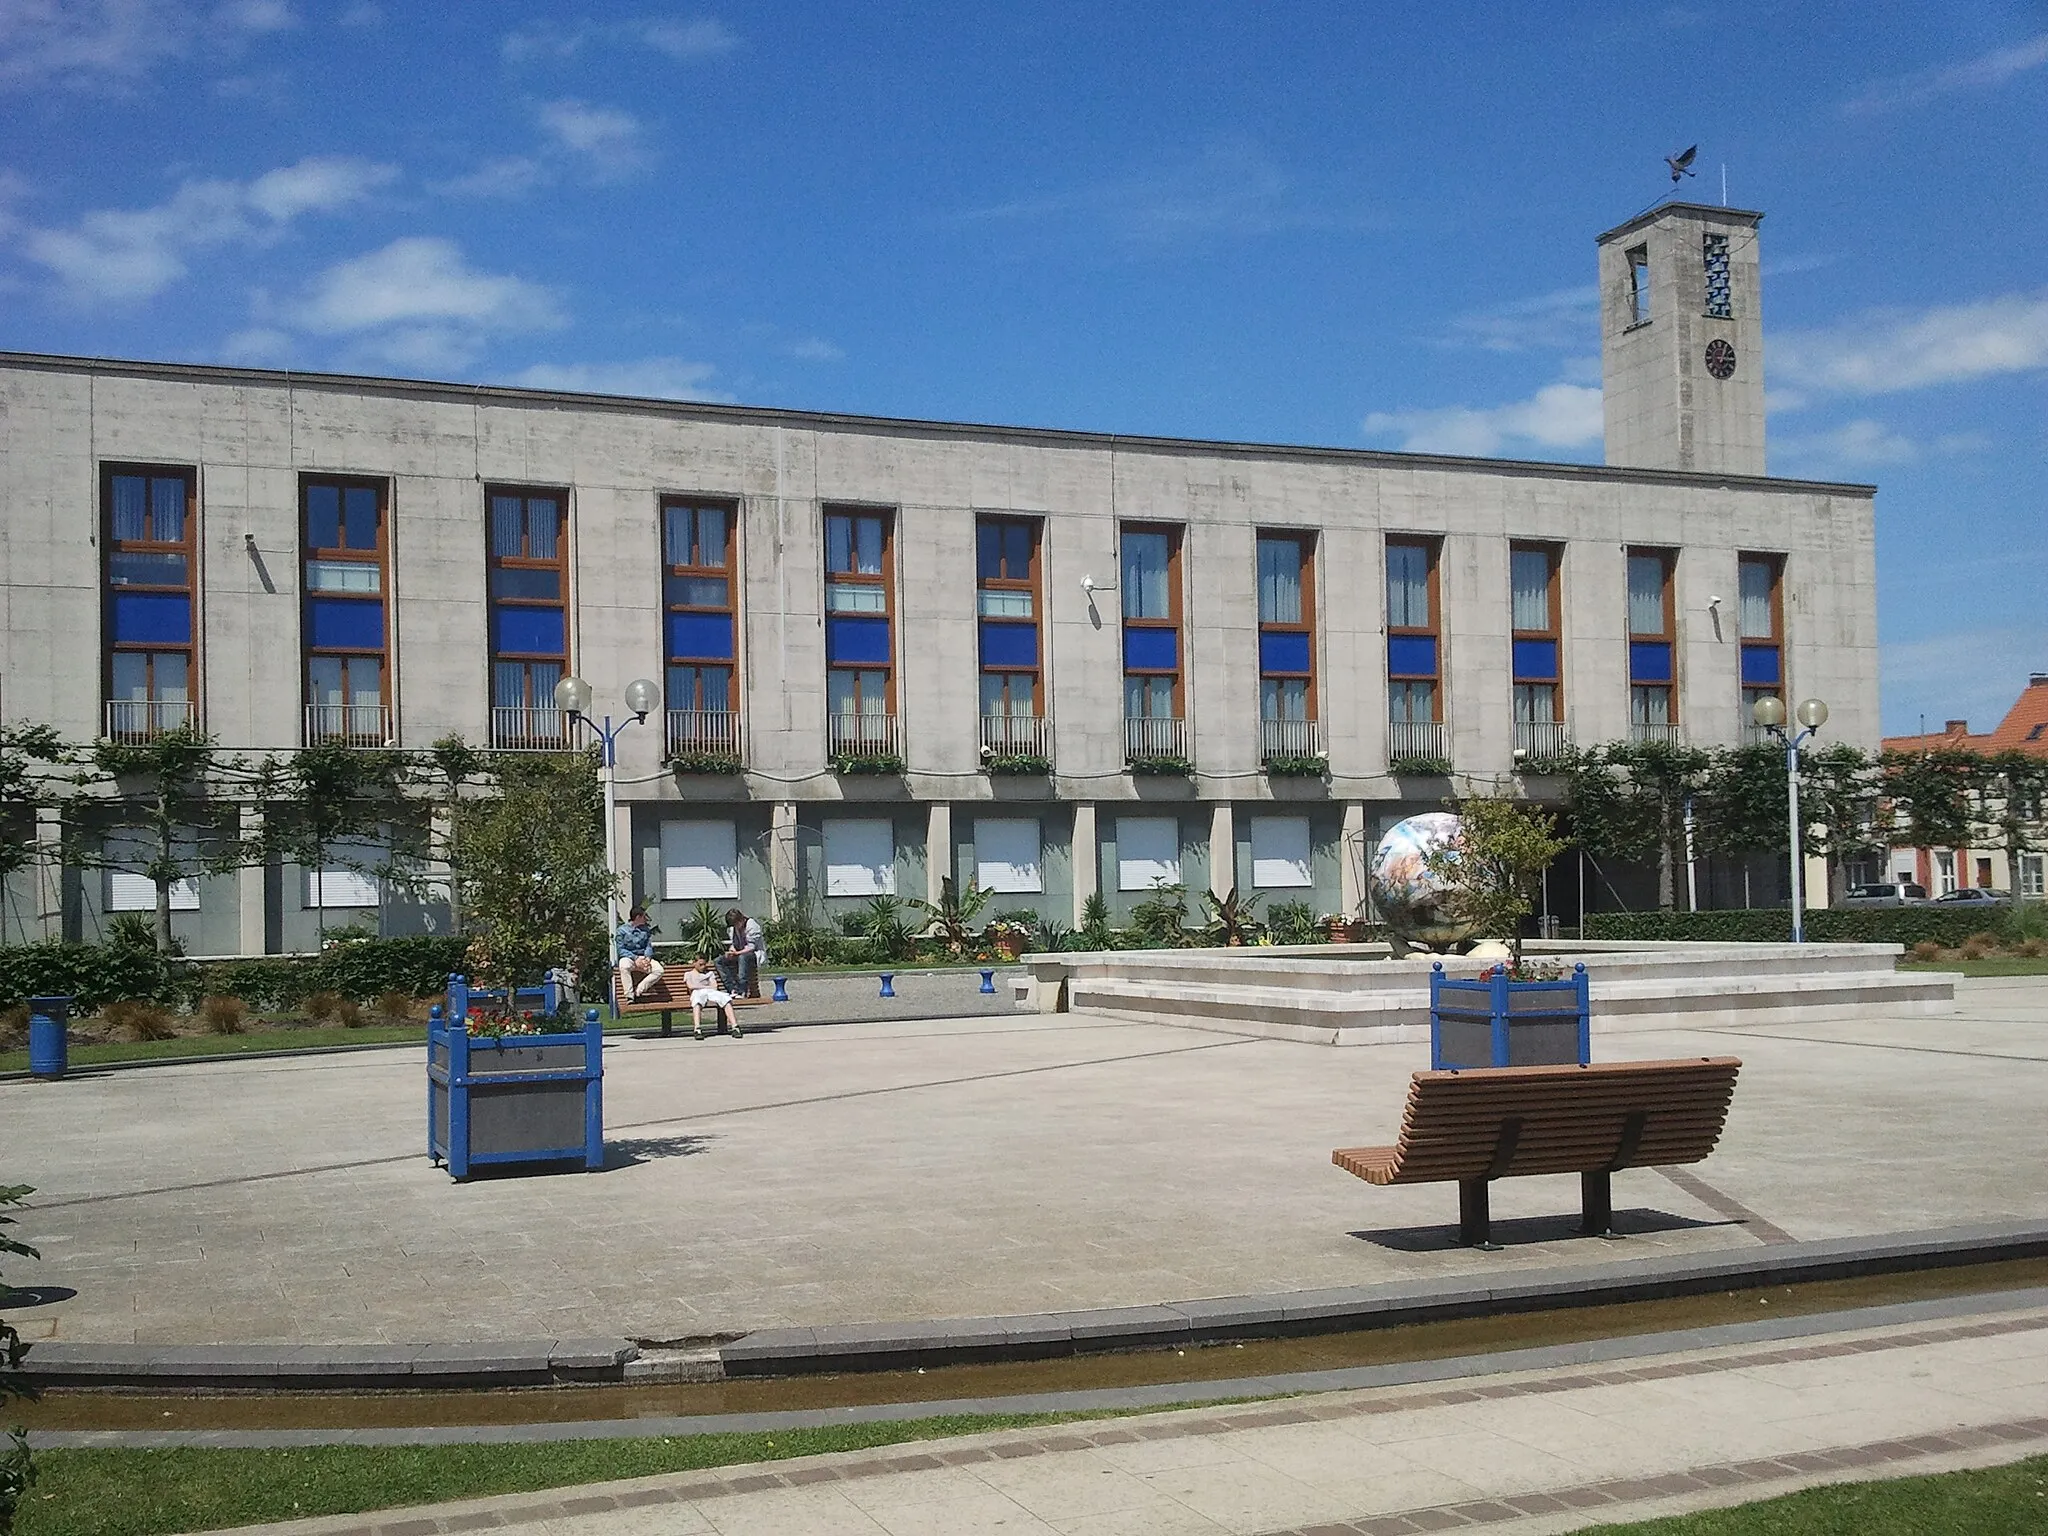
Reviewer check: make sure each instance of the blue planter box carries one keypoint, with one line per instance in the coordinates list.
(1490, 1021)
(512, 1098)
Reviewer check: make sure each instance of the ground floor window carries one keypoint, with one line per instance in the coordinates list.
(2034, 875)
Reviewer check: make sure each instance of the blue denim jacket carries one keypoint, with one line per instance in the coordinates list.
(635, 940)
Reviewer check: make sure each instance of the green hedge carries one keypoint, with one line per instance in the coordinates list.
(95, 974)
(1827, 925)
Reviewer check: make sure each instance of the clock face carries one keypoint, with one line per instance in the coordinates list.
(1720, 359)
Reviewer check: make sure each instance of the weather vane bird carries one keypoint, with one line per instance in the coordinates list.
(1681, 163)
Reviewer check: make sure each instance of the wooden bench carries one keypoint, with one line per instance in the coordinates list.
(1482, 1124)
(668, 1001)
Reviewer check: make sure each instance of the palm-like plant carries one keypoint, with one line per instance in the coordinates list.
(952, 916)
(882, 921)
(1232, 919)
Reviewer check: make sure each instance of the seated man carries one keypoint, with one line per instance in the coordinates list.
(701, 982)
(636, 956)
(741, 962)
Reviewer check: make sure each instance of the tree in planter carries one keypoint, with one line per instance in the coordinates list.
(952, 916)
(17, 1468)
(532, 869)
(1502, 849)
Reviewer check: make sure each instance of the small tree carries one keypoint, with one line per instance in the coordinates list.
(453, 762)
(338, 794)
(164, 780)
(1502, 849)
(28, 753)
(531, 867)
(17, 1470)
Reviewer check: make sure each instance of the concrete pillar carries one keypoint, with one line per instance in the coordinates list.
(50, 871)
(938, 849)
(1352, 855)
(782, 854)
(1816, 892)
(249, 884)
(1087, 858)
(1222, 850)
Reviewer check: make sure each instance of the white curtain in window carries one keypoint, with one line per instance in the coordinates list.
(1147, 851)
(1280, 858)
(1007, 854)
(1754, 610)
(1407, 586)
(860, 858)
(1279, 581)
(1530, 574)
(700, 861)
(1645, 595)
(129, 890)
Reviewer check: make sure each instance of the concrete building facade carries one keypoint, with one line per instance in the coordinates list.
(1217, 663)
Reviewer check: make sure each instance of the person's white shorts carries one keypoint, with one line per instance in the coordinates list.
(709, 997)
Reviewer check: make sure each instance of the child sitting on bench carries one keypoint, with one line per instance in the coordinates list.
(702, 983)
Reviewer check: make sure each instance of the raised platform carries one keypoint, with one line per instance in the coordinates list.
(1353, 994)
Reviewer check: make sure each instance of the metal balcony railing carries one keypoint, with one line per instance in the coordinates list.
(138, 720)
(862, 735)
(1153, 737)
(1408, 739)
(1016, 736)
(1659, 733)
(352, 725)
(1541, 738)
(523, 729)
(714, 732)
(1290, 738)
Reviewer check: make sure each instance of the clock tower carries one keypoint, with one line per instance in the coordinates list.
(1682, 341)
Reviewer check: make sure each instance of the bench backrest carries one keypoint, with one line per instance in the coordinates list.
(1500, 1122)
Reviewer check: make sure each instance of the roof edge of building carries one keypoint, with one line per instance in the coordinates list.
(847, 422)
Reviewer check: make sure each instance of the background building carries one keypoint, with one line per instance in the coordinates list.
(1303, 644)
(1984, 865)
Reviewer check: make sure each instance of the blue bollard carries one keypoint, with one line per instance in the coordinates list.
(48, 1048)
(888, 983)
(781, 990)
(988, 981)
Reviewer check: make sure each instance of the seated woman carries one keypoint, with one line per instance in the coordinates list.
(701, 982)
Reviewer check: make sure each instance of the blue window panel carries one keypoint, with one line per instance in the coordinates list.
(1535, 661)
(1760, 666)
(1009, 645)
(857, 640)
(1411, 655)
(1283, 654)
(702, 636)
(1151, 650)
(1649, 661)
(529, 631)
(345, 624)
(152, 618)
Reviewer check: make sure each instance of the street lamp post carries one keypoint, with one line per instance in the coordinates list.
(573, 697)
(1812, 714)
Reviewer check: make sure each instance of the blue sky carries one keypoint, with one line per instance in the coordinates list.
(1322, 222)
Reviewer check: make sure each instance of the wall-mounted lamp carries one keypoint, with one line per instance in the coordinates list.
(1091, 586)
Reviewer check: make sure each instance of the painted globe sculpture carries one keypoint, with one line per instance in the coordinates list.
(1409, 897)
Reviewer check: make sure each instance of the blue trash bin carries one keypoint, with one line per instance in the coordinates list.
(48, 1049)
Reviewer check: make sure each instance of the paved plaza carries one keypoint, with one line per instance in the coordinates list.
(891, 1171)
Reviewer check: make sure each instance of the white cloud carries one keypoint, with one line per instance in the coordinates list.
(119, 253)
(255, 15)
(679, 40)
(87, 42)
(1569, 317)
(1886, 351)
(815, 349)
(511, 176)
(419, 286)
(1867, 443)
(1556, 416)
(606, 139)
(1983, 72)
(654, 378)
(364, 13)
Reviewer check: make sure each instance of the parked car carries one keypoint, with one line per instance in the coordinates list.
(1900, 893)
(1973, 896)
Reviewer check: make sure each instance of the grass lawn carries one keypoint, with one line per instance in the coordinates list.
(258, 1038)
(144, 1493)
(1991, 965)
(1997, 1501)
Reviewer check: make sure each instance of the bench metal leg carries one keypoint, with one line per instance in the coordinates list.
(1596, 1204)
(668, 1024)
(1475, 1218)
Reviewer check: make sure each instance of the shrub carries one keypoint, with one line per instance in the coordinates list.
(91, 975)
(395, 1006)
(225, 1015)
(1160, 919)
(144, 1021)
(1773, 925)
(1293, 922)
(349, 1014)
(1926, 951)
(322, 1006)
(13, 1026)
(1978, 945)
(2032, 949)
